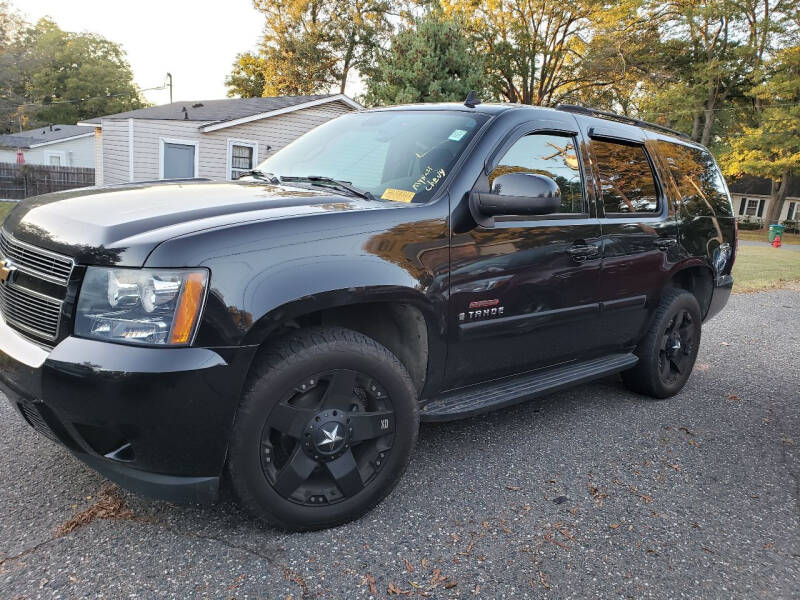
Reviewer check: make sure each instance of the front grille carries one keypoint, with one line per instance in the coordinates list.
(30, 310)
(35, 420)
(35, 313)
(35, 261)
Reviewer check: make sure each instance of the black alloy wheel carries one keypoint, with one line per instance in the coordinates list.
(676, 355)
(669, 349)
(328, 438)
(324, 431)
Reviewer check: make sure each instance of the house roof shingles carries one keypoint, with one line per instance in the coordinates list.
(216, 111)
(42, 135)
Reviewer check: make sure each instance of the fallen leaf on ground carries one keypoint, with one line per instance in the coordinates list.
(393, 589)
(409, 567)
(615, 525)
(513, 488)
(108, 505)
(369, 580)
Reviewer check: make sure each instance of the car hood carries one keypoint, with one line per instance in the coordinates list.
(121, 225)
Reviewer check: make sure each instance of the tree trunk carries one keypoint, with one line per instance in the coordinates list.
(780, 189)
(696, 126)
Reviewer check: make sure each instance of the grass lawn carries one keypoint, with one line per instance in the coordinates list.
(761, 236)
(5, 208)
(758, 268)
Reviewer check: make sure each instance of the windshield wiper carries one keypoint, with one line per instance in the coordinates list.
(256, 174)
(335, 183)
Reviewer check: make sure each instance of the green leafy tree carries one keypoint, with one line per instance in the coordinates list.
(541, 52)
(77, 76)
(311, 46)
(431, 60)
(771, 149)
(48, 75)
(12, 83)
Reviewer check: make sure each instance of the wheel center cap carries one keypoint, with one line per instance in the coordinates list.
(327, 435)
(674, 344)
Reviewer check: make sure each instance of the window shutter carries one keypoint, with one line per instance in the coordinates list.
(761, 207)
(742, 206)
(790, 212)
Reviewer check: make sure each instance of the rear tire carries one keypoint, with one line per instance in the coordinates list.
(668, 351)
(325, 429)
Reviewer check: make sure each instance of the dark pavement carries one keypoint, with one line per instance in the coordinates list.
(590, 493)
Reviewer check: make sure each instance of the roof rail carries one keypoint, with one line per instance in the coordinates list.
(593, 112)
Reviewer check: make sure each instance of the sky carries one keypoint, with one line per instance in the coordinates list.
(195, 41)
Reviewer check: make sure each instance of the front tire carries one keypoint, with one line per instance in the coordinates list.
(669, 350)
(325, 430)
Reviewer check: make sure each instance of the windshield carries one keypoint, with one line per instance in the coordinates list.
(395, 155)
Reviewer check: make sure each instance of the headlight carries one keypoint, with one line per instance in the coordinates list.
(141, 306)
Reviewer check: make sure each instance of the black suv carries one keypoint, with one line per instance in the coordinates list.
(291, 329)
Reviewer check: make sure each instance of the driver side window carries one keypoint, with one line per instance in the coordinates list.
(551, 155)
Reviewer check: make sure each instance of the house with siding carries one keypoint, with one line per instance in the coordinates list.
(54, 145)
(216, 139)
(751, 197)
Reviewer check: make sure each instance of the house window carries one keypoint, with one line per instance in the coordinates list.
(752, 207)
(242, 157)
(54, 158)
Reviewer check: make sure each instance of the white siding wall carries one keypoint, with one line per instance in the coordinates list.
(115, 152)
(737, 200)
(78, 152)
(98, 156)
(213, 150)
(276, 132)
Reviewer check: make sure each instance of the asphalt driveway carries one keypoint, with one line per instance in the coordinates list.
(593, 492)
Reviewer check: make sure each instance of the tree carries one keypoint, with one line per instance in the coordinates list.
(431, 60)
(12, 84)
(247, 78)
(311, 46)
(772, 148)
(541, 52)
(54, 76)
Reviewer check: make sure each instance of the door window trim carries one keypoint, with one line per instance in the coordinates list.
(162, 141)
(512, 138)
(662, 209)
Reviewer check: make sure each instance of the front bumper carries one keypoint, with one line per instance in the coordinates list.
(154, 420)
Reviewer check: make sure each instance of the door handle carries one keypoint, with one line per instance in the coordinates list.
(666, 243)
(581, 252)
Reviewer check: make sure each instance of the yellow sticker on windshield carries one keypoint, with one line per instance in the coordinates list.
(397, 195)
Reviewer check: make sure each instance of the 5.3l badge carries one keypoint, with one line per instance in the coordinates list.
(482, 309)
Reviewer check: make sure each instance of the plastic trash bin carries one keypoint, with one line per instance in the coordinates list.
(775, 230)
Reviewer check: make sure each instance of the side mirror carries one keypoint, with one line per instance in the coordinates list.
(519, 194)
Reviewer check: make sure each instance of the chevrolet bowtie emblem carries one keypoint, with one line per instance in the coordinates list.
(7, 271)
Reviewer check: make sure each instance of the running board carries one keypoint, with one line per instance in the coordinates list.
(477, 399)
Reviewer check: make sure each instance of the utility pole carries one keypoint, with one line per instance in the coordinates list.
(169, 76)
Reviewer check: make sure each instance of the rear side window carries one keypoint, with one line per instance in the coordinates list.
(699, 181)
(626, 178)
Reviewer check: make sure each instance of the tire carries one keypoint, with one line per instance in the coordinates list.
(324, 431)
(668, 351)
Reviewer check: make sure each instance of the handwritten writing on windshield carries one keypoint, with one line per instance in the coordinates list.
(429, 179)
